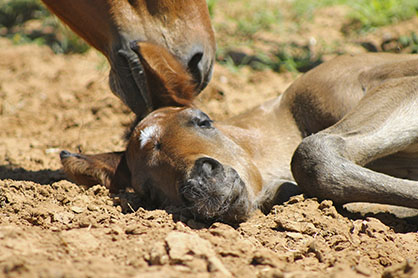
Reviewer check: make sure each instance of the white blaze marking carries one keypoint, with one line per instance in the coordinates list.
(148, 134)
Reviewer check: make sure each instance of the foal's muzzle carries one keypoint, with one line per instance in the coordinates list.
(215, 192)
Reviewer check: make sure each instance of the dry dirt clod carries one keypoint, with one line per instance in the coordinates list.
(267, 257)
(184, 248)
(134, 230)
(402, 270)
(158, 254)
(77, 209)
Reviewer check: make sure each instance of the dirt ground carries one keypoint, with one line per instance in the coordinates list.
(49, 227)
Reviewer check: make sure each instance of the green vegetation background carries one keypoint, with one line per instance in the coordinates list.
(28, 21)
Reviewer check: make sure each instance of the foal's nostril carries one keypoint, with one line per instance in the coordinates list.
(208, 166)
(195, 66)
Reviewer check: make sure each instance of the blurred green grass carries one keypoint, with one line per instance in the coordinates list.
(365, 14)
(244, 23)
(369, 14)
(237, 23)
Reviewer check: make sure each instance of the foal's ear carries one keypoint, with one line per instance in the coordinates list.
(168, 82)
(107, 169)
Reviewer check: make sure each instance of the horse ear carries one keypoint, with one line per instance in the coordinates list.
(107, 169)
(168, 83)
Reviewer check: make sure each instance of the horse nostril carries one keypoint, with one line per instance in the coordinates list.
(208, 166)
(195, 67)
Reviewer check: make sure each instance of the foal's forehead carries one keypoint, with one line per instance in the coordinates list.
(149, 134)
(164, 115)
(157, 121)
(152, 126)
(158, 116)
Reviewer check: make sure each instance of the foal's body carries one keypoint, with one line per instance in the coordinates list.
(317, 101)
(360, 110)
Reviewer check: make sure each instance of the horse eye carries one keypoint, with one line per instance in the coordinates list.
(201, 120)
(205, 123)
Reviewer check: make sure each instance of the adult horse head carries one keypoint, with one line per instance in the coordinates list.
(181, 27)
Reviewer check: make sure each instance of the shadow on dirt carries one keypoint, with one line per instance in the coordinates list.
(42, 176)
(401, 220)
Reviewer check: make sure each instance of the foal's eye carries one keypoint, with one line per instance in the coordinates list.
(205, 123)
(201, 120)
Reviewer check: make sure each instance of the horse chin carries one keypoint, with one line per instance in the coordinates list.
(214, 192)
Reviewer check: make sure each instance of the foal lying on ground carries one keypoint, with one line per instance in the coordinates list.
(358, 115)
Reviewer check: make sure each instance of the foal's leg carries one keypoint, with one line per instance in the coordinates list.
(330, 164)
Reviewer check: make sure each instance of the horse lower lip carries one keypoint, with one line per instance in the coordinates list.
(203, 85)
(207, 77)
(204, 81)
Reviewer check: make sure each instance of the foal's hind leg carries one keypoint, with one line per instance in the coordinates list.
(330, 164)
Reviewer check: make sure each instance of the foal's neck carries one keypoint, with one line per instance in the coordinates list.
(269, 134)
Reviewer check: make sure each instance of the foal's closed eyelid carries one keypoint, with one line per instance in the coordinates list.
(202, 122)
(205, 123)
